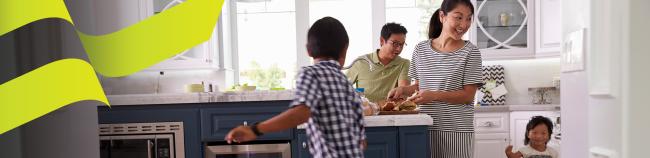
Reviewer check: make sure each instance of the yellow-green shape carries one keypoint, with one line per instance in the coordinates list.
(16, 13)
(154, 39)
(116, 54)
(46, 89)
(130, 49)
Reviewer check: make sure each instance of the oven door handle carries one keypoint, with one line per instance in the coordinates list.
(149, 148)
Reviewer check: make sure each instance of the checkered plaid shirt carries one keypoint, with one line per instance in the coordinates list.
(336, 126)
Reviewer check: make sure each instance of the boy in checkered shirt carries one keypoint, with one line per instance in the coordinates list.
(324, 99)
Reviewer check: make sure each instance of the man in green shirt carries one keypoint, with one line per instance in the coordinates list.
(383, 69)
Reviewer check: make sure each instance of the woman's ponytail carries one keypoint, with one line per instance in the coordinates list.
(435, 26)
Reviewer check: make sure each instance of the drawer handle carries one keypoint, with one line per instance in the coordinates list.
(304, 145)
(486, 124)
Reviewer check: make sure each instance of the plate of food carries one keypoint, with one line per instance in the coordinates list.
(398, 106)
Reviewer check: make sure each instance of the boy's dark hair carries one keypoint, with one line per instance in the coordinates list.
(537, 120)
(327, 38)
(392, 28)
(435, 26)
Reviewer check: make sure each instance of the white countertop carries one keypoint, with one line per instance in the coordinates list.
(394, 120)
(508, 108)
(177, 98)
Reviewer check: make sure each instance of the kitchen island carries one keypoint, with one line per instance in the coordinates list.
(207, 117)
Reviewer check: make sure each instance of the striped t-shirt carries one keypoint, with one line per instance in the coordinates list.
(447, 71)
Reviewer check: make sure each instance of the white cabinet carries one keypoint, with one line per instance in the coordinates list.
(548, 30)
(491, 134)
(115, 15)
(519, 120)
(504, 29)
(490, 145)
(516, 29)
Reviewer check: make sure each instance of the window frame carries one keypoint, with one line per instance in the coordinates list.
(378, 12)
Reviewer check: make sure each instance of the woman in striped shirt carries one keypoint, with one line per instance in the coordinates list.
(447, 72)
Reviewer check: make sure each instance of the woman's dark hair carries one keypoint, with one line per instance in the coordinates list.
(435, 26)
(392, 28)
(327, 38)
(537, 120)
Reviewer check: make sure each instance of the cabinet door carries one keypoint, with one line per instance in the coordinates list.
(414, 142)
(548, 32)
(490, 145)
(518, 122)
(382, 142)
(302, 151)
(216, 122)
(504, 29)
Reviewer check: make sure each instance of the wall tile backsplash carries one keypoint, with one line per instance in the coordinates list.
(523, 74)
(173, 81)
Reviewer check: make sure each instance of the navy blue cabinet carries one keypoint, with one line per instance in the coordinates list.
(217, 121)
(383, 142)
(159, 113)
(210, 122)
(414, 142)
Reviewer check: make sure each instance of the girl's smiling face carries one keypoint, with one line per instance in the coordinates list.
(457, 21)
(539, 135)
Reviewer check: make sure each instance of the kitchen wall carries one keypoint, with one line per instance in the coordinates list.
(637, 128)
(173, 81)
(522, 74)
(575, 108)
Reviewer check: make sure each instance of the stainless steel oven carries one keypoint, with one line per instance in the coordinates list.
(266, 150)
(142, 140)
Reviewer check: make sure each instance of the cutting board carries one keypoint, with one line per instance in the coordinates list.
(398, 112)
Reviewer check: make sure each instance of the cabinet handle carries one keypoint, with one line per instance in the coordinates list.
(304, 145)
(486, 124)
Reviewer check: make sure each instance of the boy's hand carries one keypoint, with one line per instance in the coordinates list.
(510, 154)
(240, 134)
(364, 144)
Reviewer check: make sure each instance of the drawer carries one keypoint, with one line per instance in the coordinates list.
(491, 122)
(217, 122)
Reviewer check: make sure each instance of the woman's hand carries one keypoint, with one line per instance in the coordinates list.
(240, 134)
(424, 96)
(510, 154)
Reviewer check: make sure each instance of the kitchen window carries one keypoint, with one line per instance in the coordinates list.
(355, 16)
(264, 40)
(415, 16)
(266, 37)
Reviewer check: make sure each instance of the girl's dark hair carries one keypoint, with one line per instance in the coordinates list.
(537, 120)
(327, 38)
(435, 26)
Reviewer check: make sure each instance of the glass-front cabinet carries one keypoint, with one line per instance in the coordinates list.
(504, 29)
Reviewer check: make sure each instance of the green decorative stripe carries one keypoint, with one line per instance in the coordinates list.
(116, 54)
(133, 48)
(46, 89)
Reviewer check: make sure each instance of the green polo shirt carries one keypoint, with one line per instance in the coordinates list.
(382, 79)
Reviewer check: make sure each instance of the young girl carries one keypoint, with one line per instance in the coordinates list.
(538, 133)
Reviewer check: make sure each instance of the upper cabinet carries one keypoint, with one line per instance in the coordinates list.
(202, 56)
(548, 27)
(114, 15)
(516, 29)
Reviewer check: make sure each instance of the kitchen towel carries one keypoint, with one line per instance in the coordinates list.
(493, 76)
